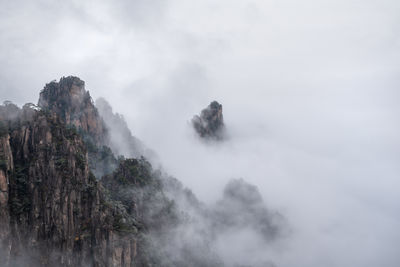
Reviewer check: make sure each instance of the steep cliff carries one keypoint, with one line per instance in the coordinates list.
(54, 212)
(6, 167)
(106, 134)
(73, 104)
(69, 100)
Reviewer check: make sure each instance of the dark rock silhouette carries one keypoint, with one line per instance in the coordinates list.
(210, 123)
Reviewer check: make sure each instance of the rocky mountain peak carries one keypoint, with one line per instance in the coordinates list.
(210, 123)
(53, 211)
(69, 89)
(69, 99)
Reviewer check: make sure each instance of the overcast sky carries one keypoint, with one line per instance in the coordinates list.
(310, 91)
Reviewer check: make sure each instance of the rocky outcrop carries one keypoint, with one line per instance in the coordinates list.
(73, 104)
(69, 100)
(210, 123)
(53, 210)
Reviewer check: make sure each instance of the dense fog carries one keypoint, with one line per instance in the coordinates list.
(309, 91)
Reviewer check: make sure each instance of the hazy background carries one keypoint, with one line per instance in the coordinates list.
(310, 91)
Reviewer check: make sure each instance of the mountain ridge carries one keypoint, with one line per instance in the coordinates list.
(68, 199)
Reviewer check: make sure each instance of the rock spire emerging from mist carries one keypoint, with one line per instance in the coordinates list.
(210, 123)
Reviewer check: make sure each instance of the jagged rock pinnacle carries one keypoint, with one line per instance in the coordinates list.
(210, 123)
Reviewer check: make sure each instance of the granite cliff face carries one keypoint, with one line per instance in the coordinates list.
(73, 104)
(53, 210)
(6, 167)
(69, 100)
(56, 213)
